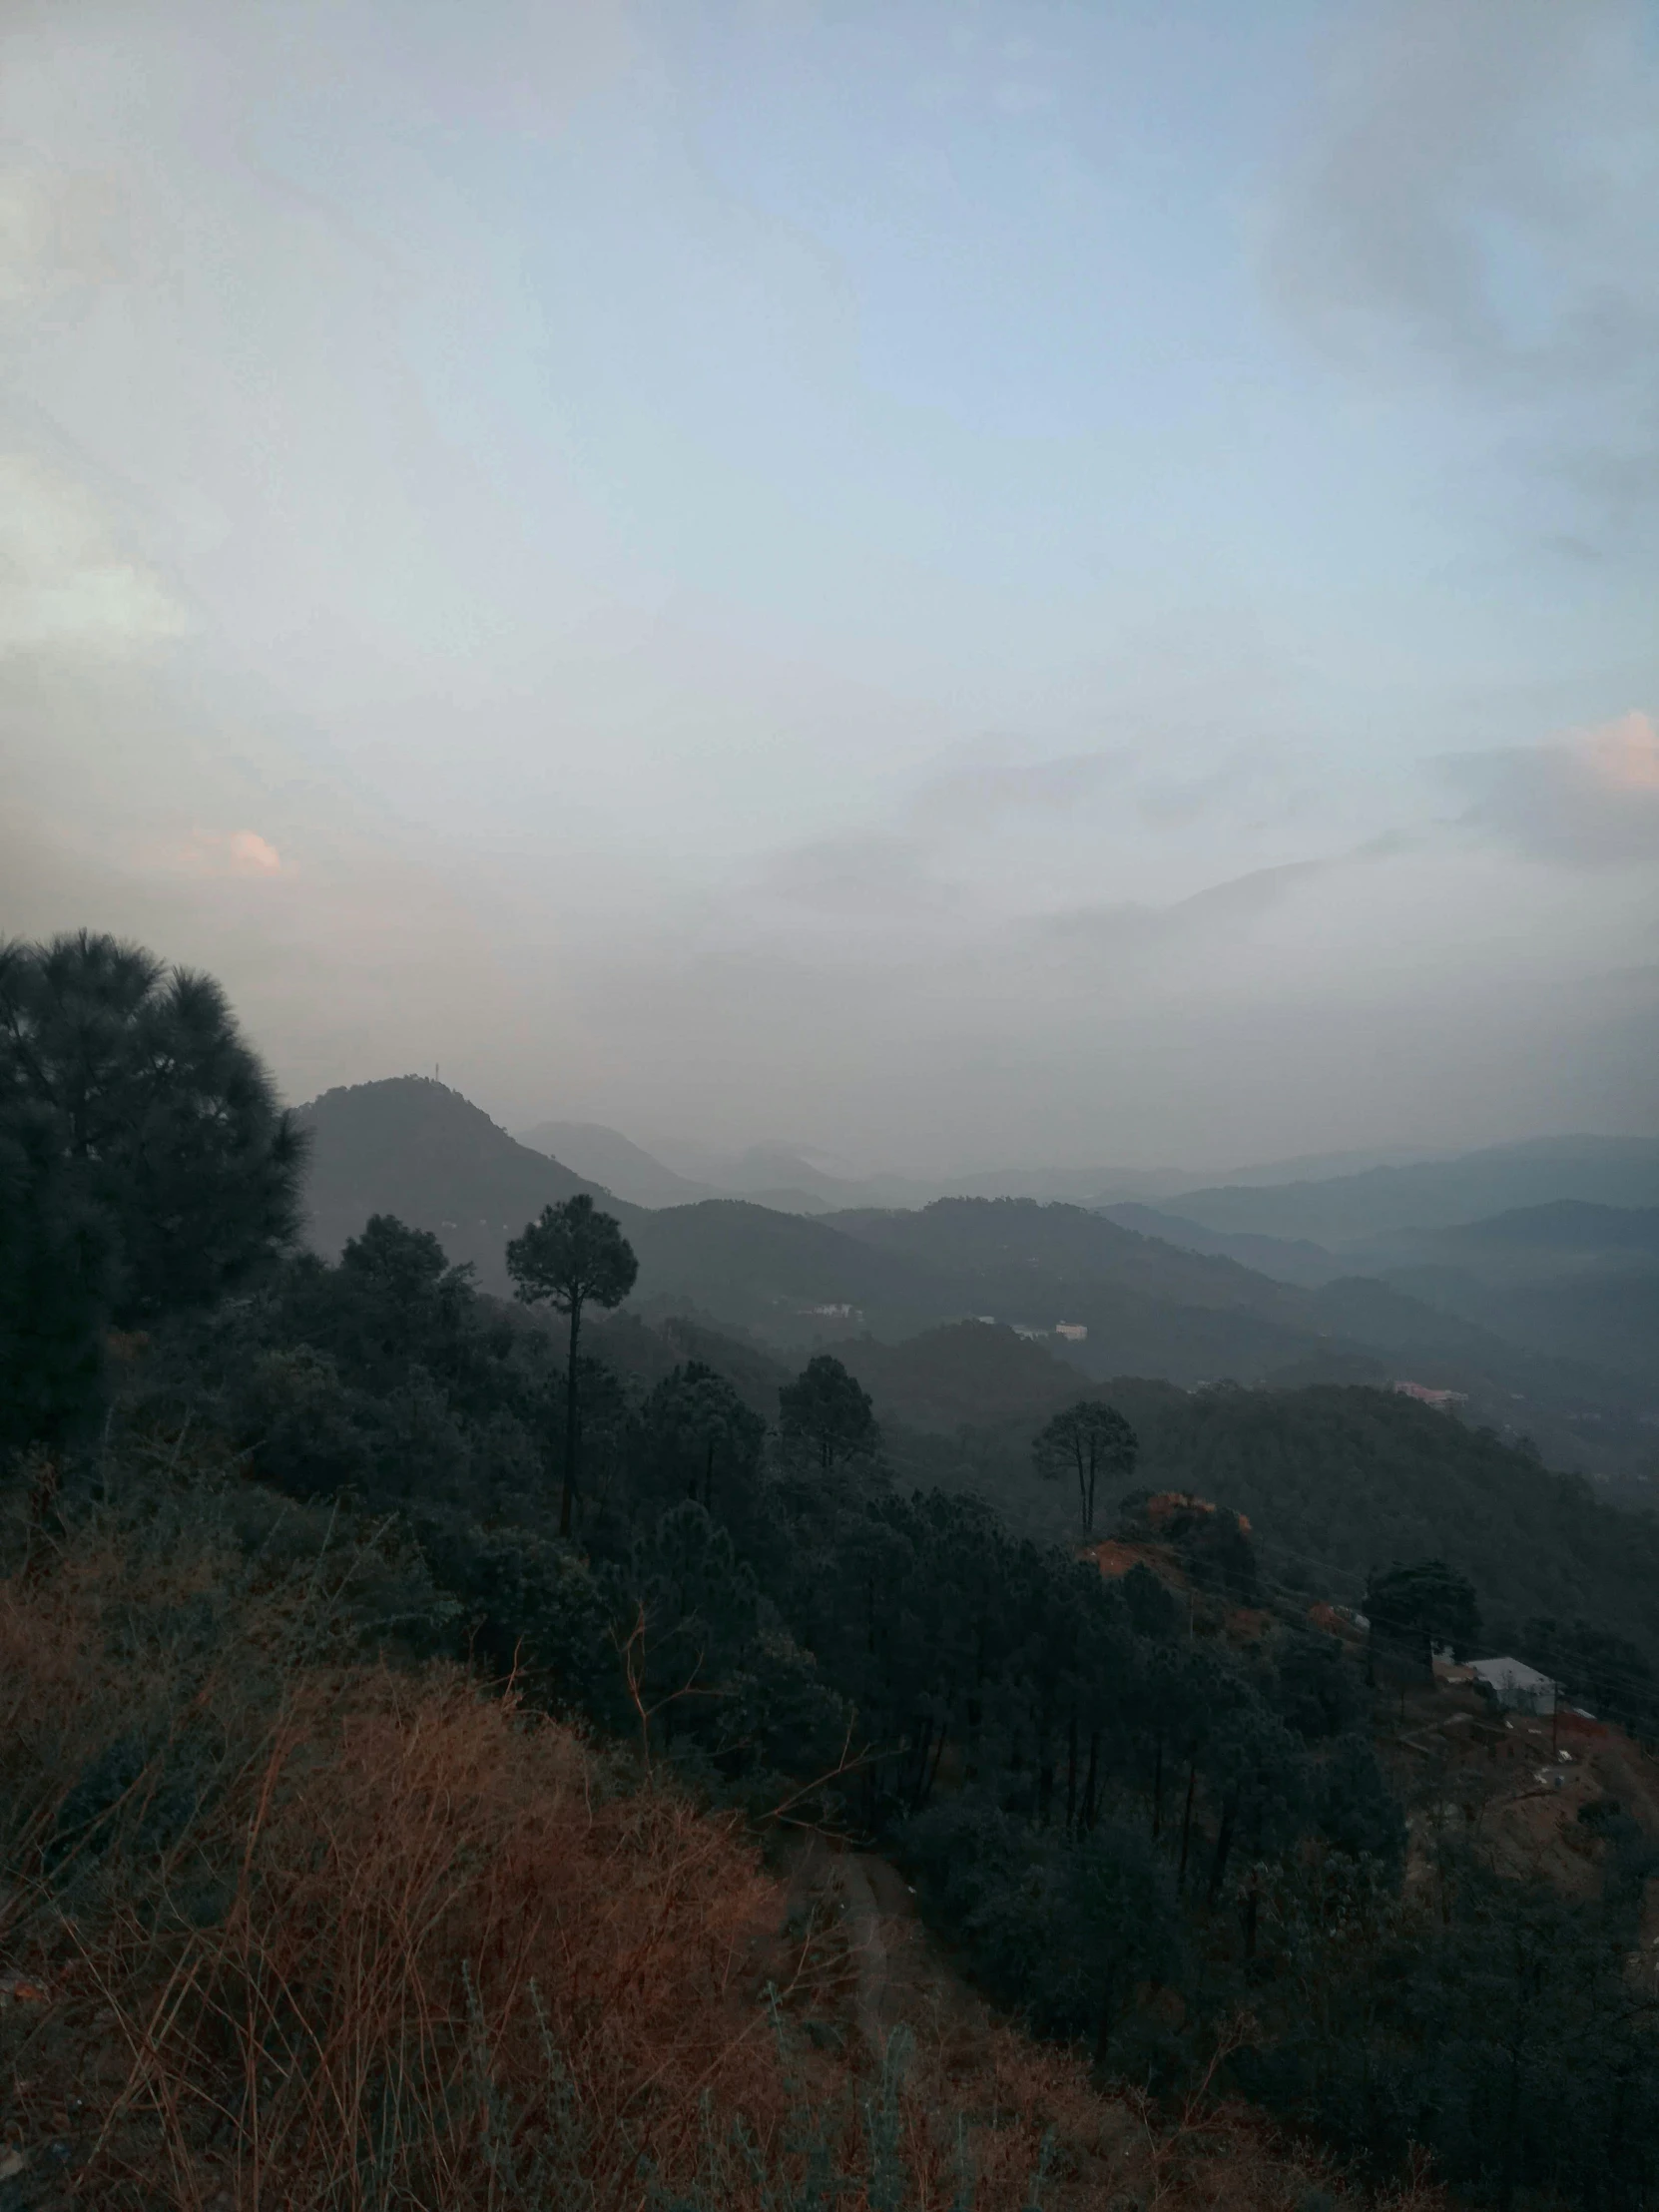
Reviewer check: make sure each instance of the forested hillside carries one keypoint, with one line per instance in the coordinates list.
(419, 1150)
(1336, 1481)
(1340, 1482)
(306, 1562)
(1575, 1282)
(413, 1146)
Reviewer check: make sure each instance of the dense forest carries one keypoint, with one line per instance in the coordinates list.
(1334, 1478)
(412, 1147)
(1153, 1815)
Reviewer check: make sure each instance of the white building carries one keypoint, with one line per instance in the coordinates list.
(1516, 1685)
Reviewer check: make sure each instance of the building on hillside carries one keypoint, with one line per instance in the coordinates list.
(1516, 1685)
(1426, 1396)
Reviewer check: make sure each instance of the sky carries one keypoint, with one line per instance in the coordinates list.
(947, 582)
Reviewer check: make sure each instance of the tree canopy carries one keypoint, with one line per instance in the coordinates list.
(828, 1414)
(147, 1165)
(1415, 1608)
(699, 1433)
(572, 1256)
(1137, 1817)
(1087, 1441)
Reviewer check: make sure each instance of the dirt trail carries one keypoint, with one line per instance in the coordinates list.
(879, 1926)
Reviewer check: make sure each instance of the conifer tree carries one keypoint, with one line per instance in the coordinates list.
(571, 1257)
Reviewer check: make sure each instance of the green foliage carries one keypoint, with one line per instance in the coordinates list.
(1608, 1672)
(699, 1436)
(1065, 1929)
(535, 1612)
(1319, 1690)
(145, 1166)
(572, 1256)
(1415, 1608)
(1151, 1606)
(712, 1670)
(825, 1415)
(1339, 1481)
(1088, 1441)
(56, 1280)
(1092, 1804)
(140, 1091)
(387, 1376)
(1355, 1807)
(1499, 2027)
(1098, 1801)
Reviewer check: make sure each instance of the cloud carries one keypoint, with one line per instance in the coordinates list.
(1163, 782)
(1479, 178)
(870, 880)
(1589, 800)
(190, 817)
(980, 793)
(252, 856)
(1220, 909)
(1623, 756)
(66, 582)
(1474, 199)
(56, 230)
(204, 854)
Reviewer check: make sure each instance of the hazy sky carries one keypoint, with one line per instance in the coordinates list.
(955, 583)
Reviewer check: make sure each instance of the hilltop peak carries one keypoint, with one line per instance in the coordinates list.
(409, 1145)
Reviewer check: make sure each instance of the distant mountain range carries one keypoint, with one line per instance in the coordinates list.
(1575, 1280)
(1149, 1298)
(678, 1173)
(1285, 1259)
(610, 1158)
(1346, 1212)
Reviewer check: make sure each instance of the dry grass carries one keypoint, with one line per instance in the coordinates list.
(288, 1929)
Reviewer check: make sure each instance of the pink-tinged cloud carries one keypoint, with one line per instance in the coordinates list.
(251, 854)
(1591, 798)
(1624, 755)
(211, 854)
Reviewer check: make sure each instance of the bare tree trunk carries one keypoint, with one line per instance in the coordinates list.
(1224, 1846)
(567, 1495)
(1187, 1823)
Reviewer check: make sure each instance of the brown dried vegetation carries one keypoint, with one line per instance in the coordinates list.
(290, 1928)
